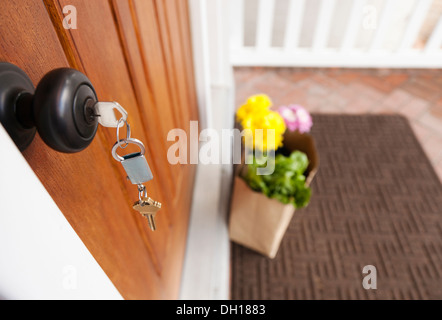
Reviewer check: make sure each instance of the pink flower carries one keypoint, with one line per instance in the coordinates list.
(296, 118)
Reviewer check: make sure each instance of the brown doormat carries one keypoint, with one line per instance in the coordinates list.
(376, 201)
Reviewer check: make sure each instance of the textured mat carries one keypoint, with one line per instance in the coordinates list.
(376, 201)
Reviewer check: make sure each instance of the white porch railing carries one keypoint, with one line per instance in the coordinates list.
(390, 31)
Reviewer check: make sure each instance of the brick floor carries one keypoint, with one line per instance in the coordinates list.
(416, 94)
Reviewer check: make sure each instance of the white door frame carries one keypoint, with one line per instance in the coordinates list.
(206, 272)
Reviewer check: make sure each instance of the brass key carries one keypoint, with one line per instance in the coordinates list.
(148, 208)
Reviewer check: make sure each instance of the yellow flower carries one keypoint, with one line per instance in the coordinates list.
(256, 114)
(255, 105)
(265, 120)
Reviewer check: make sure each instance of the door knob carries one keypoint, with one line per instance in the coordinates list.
(60, 108)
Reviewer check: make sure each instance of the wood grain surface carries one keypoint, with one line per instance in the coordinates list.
(124, 47)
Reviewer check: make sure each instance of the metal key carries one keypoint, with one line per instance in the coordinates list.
(135, 164)
(148, 208)
(106, 114)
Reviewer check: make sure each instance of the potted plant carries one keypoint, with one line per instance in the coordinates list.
(263, 204)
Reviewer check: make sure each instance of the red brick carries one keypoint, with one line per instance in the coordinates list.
(397, 98)
(360, 105)
(393, 102)
(243, 92)
(378, 83)
(431, 122)
(436, 110)
(396, 79)
(337, 100)
(438, 169)
(433, 148)
(294, 96)
(273, 85)
(414, 108)
(326, 81)
(422, 89)
(347, 77)
(361, 90)
(422, 132)
(293, 75)
(247, 75)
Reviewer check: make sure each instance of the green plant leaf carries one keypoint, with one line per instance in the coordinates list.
(286, 183)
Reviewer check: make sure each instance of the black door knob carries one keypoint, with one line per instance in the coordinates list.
(61, 108)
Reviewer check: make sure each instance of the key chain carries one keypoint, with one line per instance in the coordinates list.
(135, 164)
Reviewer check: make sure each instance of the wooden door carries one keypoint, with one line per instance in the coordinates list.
(136, 52)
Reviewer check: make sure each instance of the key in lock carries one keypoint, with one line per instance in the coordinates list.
(135, 164)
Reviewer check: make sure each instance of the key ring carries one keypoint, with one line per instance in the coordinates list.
(127, 133)
(127, 141)
(141, 190)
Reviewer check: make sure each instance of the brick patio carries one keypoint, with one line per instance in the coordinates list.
(415, 94)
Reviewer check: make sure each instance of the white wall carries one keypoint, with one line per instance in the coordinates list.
(41, 256)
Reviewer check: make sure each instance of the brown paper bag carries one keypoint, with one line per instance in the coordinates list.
(256, 221)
